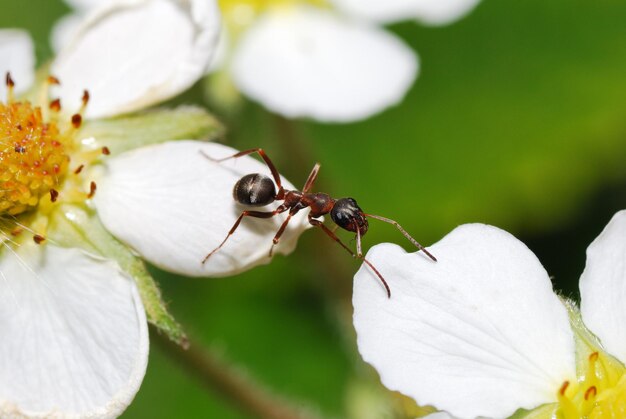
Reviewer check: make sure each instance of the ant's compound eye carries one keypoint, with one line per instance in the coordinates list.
(254, 190)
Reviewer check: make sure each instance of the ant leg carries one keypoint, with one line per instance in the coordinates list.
(279, 233)
(267, 160)
(318, 223)
(255, 214)
(309, 182)
(404, 232)
(282, 228)
(359, 250)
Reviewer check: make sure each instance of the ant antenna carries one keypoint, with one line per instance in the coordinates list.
(404, 233)
(378, 275)
(206, 156)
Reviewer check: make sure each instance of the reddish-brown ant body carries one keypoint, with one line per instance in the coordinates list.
(257, 190)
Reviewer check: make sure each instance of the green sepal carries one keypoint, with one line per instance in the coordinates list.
(368, 399)
(587, 343)
(546, 411)
(73, 226)
(153, 126)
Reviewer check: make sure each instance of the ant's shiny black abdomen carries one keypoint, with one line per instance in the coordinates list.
(255, 190)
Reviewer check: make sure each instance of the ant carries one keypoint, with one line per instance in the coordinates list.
(256, 190)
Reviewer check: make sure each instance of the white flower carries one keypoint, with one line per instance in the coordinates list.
(305, 61)
(480, 332)
(148, 50)
(308, 59)
(335, 64)
(74, 334)
(431, 12)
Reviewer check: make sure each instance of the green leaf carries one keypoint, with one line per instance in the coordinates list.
(73, 226)
(153, 126)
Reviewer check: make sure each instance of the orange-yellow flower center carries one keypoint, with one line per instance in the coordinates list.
(600, 394)
(33, 157)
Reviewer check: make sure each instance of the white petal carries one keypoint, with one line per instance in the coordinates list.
(306, 62)
(434, 12)
(17, 56)
(439, 415)
(86, 4)
(478, 333)
(443, 12)
(74, 335)
(603, 286)
(136, 53)
(173, 206)
(65, 30)
(221, 53)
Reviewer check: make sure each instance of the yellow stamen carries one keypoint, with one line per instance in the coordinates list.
(600, 392)
(568, 409)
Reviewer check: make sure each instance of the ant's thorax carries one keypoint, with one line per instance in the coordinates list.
(320, 203)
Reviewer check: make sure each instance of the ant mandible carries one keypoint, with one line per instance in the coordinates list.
(258, 190)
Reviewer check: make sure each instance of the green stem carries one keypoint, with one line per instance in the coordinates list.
(229, 381)
(296, 150)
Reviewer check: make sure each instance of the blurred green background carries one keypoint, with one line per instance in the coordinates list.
(518, 119)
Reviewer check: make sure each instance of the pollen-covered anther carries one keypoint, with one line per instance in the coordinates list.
(10, 86)
(33, 157)
(106, 151)
(77, 120)
(55, 105)
(92, 189)
(37, 238)
(9, 81)
(54, 195)
(85, 99)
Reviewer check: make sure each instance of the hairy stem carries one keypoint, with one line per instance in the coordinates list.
(229, 381)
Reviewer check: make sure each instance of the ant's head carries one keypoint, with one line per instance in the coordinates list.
(255, 190)
(348, 215)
